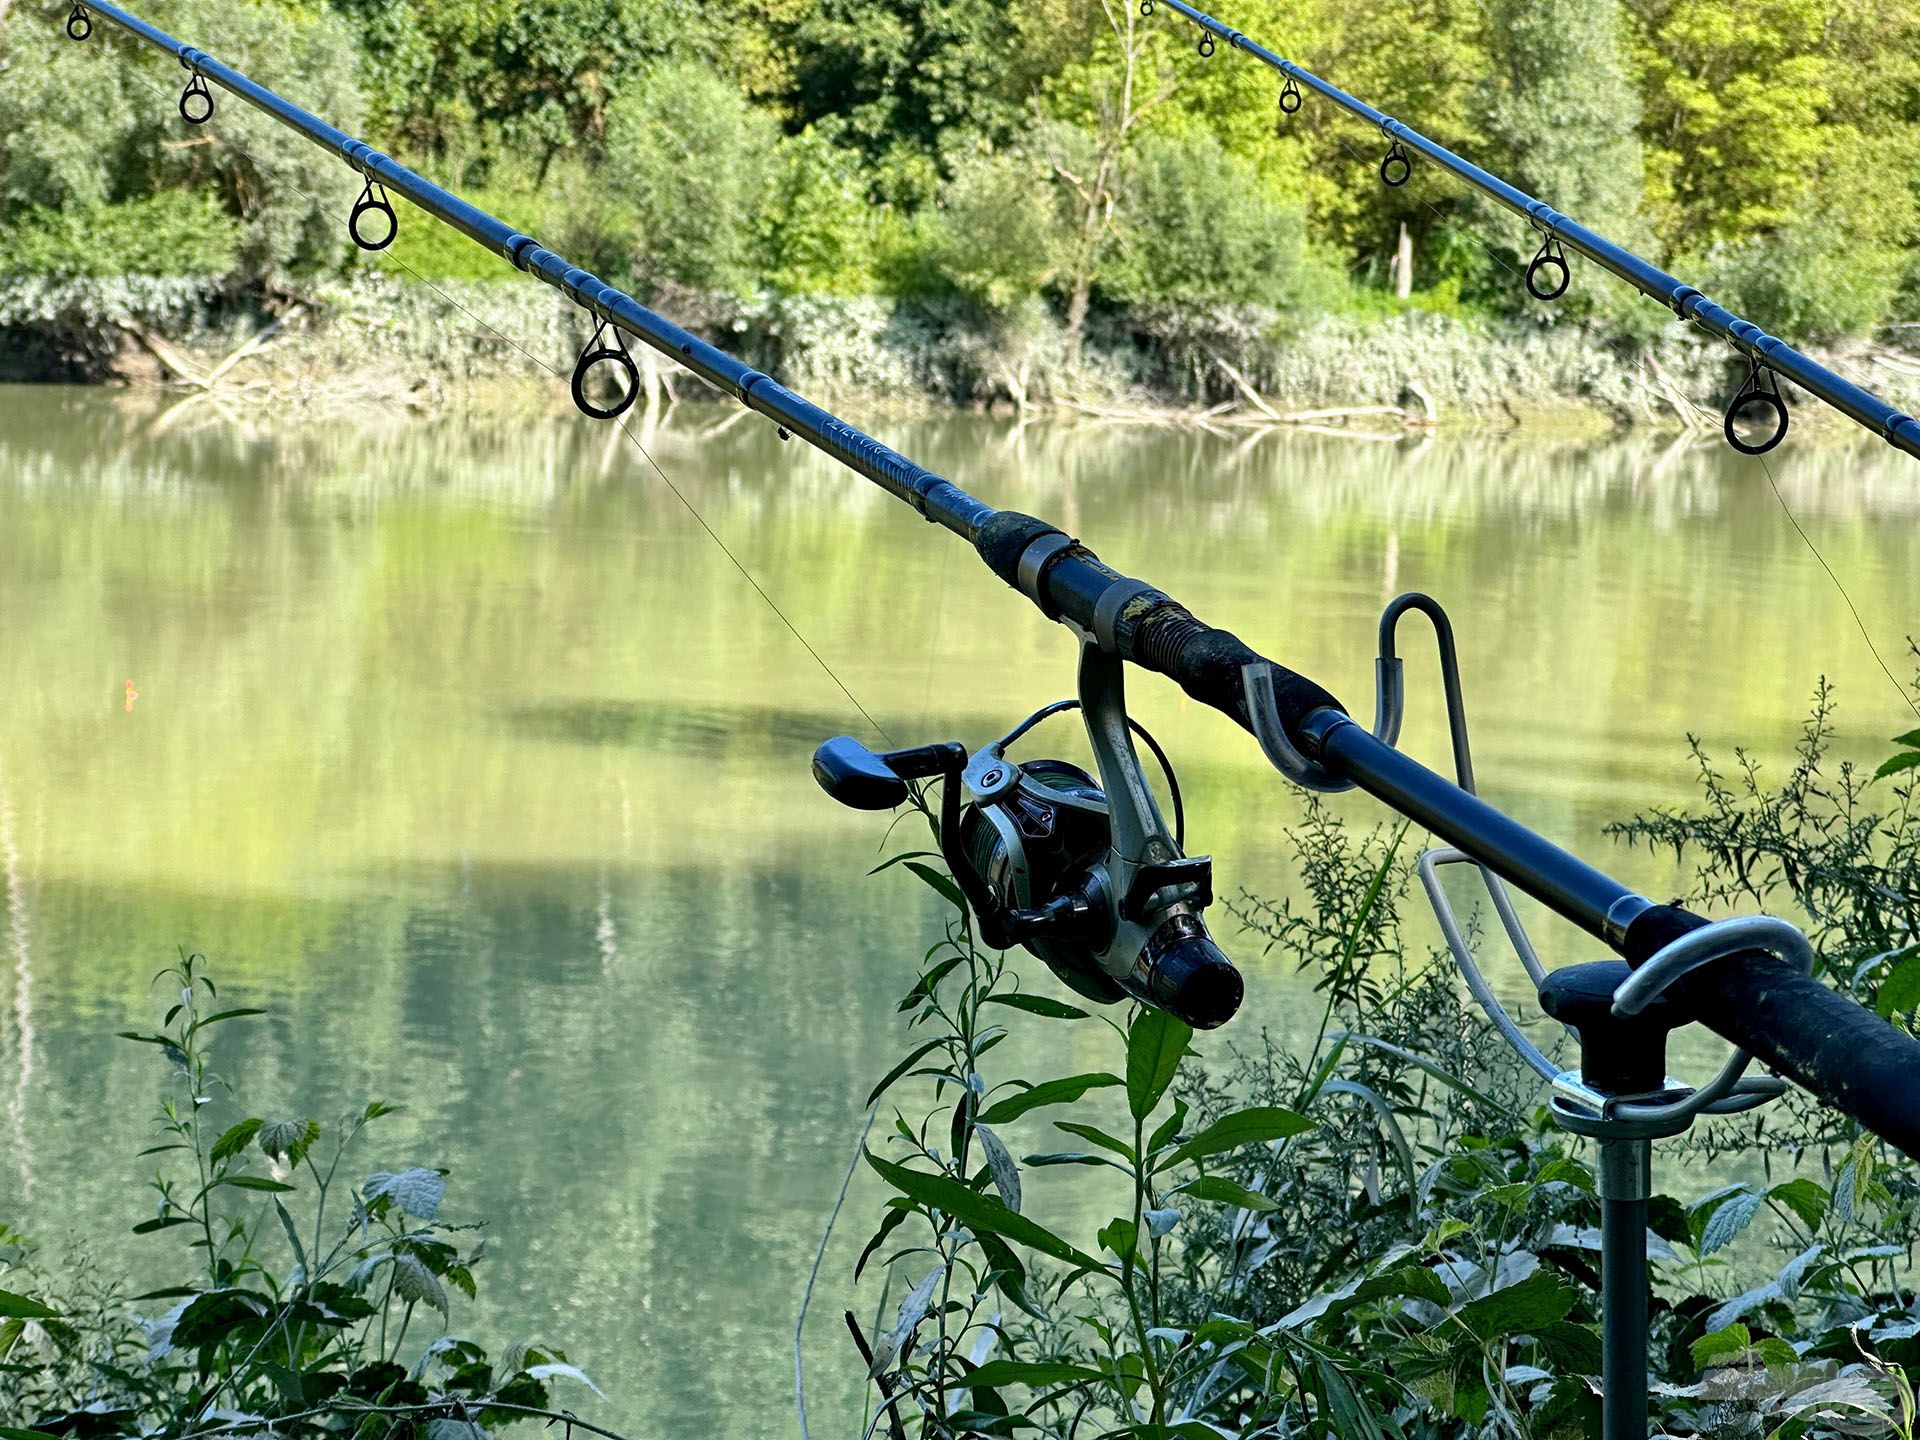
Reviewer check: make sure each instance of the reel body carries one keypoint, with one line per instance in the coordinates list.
(1081, 872)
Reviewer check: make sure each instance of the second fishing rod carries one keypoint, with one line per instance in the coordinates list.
(1131, 912)
(1768, 356)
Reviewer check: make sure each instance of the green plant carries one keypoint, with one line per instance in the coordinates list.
(304, 1293)
(1382, 1234)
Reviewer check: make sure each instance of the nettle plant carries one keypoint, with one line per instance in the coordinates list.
(308, 1294)
(1380, 1233)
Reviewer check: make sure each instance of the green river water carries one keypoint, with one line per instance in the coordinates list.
(460, 747)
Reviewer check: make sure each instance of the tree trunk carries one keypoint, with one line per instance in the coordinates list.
(1077, 301)
(1402, 266)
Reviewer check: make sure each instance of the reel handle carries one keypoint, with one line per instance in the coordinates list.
(862, 779)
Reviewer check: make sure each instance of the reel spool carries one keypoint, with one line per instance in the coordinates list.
(1082, 873)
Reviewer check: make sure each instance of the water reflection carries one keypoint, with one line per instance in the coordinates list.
(463, 748)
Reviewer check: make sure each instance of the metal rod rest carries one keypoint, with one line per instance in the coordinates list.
(1898, 429)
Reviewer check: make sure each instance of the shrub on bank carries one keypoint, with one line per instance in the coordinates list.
(1384, 1236)
(286, 1317)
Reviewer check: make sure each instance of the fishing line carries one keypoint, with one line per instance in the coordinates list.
(678, 494)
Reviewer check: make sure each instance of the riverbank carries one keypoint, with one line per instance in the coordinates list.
(372, 340)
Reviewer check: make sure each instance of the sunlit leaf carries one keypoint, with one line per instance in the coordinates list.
(1728, 1218)
(1000, 1164)
(983, 1212)
(1049, 1092)
(1155, 1044)
(1908, 760)
(417, 1192)
(413, 1281)
(1259, 1124)
(1034, 1374)
(236, 1139)
(19, 1307)
(905, 1065)
(1225, 1192)
(1039, 1005)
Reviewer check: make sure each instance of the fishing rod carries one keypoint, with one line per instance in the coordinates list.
(1548, 275)
(1126, 918)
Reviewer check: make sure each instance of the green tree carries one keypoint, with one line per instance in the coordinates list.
(1733, 98)
(815, 230)
(911, 76)
(83, 125)
(1003, 235)
(1561, 114)
(1197, 226)
(686, 166)
(535, 77)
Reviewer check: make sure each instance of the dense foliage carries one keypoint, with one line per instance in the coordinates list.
(1382, 1234)
(300, 1285)
(1067, 154)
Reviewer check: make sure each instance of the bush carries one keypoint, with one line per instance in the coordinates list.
(81, 125)
(1835, 270)
(1197, 226)
(816, 229)
(687, 167)
(1384, 1236)
(172, 233)
(1002, 235)
(285, 1312)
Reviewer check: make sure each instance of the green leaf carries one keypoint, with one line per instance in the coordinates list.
(1911, 738)
(1225, 1192)
(942, 886)
(1414, 1282)
(293, 1235)
(1063, 1091)
(236, 1139)
(983, 1212)
(914, 1058)
(251, 1182)
(923, 987)
(1039, 1005)
(218, 1016)
(1523, 1309)
(288, 1140)
(1168, 1128)
(1000, 1165)
(553, 1369)
(1728, 1218)
(413, 1281)
(1804, 1198)
(1098, 1137)
(1900, 991)
(19, 1307)
(902, 858)
(1722, 1347)
(1034, 1374)
(1155, 1044)
(1120, 1236)
(1910, 760)
(164, 1222)
(890, 1222)
(417, 1192)
(1258, 1124)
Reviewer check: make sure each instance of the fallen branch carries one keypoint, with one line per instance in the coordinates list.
(1245, 387)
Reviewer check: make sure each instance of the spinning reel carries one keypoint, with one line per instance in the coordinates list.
(1082, 872)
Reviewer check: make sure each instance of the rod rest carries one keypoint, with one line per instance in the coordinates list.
(1619, 1054)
